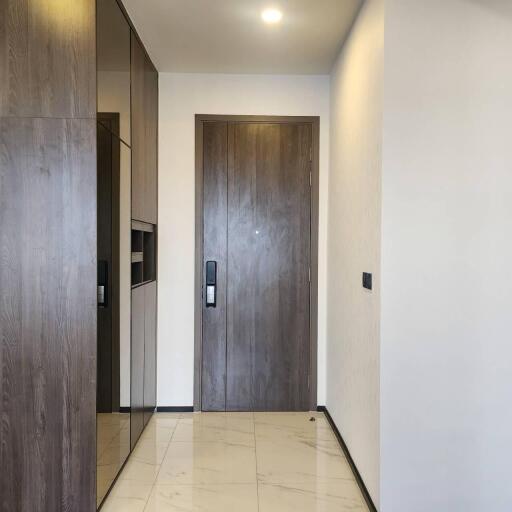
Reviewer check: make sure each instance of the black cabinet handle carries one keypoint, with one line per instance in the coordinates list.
(211, 284)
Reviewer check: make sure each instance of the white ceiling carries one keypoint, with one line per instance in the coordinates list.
(228, 36)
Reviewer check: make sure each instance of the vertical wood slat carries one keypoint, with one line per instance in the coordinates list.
(215, 140)
(242, 255)
(47, 314)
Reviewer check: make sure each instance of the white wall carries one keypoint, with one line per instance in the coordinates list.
(446, 354)
(353, 318)
(181, 97)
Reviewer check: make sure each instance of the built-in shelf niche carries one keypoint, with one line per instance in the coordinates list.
(143, 253)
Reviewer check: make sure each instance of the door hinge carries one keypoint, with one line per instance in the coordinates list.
(308, 383)
(311, 153)
(310, 179)
(309, 274)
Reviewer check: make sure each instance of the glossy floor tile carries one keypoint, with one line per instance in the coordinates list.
(220, 497)
(112, 449)
(213, 462)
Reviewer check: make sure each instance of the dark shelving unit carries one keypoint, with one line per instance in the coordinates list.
(143, 253)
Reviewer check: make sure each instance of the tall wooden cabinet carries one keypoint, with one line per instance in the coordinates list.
(48, 251)
(144, 95)
(47, 256)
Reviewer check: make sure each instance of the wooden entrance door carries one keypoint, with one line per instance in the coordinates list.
(257, 236)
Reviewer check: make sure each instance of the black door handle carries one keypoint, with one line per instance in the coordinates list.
(211, 284)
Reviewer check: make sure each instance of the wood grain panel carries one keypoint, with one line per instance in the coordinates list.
(144, 135)
(268, 339)
(281, 263)
(215, 138)
(47, 58)
(138, 130)
(151, 142)
(137, 373)
(243, 253)
(149, 350)
(47, 314)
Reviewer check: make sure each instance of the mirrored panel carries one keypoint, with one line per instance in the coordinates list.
(113, 64)
(114, 296)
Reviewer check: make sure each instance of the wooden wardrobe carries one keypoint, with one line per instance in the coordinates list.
(48, 253)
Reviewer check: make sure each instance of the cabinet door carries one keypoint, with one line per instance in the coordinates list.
(48, 59)
(149, 351)
(151, 141)
(138, 130)
(137, 374)
(144, 93)
(47, 314)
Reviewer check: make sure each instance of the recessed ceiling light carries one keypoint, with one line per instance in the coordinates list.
(271, 15)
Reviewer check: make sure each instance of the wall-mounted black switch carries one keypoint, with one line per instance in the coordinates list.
(367, 280)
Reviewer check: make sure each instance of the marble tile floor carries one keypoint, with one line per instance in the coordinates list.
(236, 462)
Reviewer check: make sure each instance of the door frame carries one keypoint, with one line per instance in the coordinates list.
(314, 121)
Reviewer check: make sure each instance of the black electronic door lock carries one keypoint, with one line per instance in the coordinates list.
(102, 283)
(211, 284)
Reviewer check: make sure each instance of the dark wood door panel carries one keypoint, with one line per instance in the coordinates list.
(268, 258)
(256, 224)
(137, 373)
(215, 155)
(243, 252)
(149, 350)
(47, 314)
(48, 58)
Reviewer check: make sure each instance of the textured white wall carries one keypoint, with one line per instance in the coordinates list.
(181, 97)
(353, 318)
(446, 354)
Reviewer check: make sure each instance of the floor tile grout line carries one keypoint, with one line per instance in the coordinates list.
(161, 464)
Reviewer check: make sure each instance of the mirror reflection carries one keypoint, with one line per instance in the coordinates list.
(114, 243)
(113, 65)
(114, 292)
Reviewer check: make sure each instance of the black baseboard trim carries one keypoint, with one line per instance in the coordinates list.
(125, 409)
(184, 408)
(357, 475)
